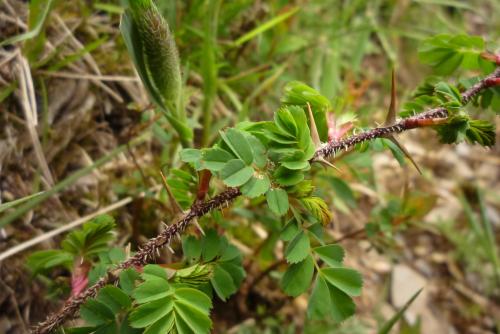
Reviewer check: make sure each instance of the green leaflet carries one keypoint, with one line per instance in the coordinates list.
(235, 173)
(215, 158)
(345, 279)
(238, 143)
(298, 249)
(256, 186)
(327, 301)
(298, 276)
(332, 255)
(277, 199)
(320, 302)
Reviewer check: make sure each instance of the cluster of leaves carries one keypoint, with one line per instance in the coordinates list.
(271, 158)
(223, 259)
(150, 302)
(84, 244)
(334, 285)
(446, 54)
(154, 299)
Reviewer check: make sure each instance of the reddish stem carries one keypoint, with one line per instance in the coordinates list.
(491, 57)
(492, 82)
(205, 176)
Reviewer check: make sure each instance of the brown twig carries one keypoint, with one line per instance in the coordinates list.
(149, 250)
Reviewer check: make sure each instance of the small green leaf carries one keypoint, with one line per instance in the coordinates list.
(155, 271)
(191, 248)
(397, 153)
(320, 302)
(92, 239)
(290, 230)
(211, 245)
(296, 165)
(235, 173)
(238, 143)
(223, 283)
(259, 151)
(287, 177)
(298, 276)
(114, 298)
(448, 93)
(256, 186)
(127, 280)
(197, 320)
(454, 131)
(332, 255)
(345, 279)
(298, 249)
(190, 155)
(285, 122)
(235, 269)
(343, 306)
(153, 288)
(303, 189)
(164, 325)
(216, 158)
(197, 299)
(230, 252)
(277, 199)
(96, 313)
(149, 313)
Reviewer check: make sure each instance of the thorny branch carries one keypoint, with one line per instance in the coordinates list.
(148, 251)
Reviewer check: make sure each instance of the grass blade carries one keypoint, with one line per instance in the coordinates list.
(265, 26)
(40, 20)
(386, 328)
(11, 204)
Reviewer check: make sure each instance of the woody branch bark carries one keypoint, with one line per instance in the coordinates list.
(148, 251)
